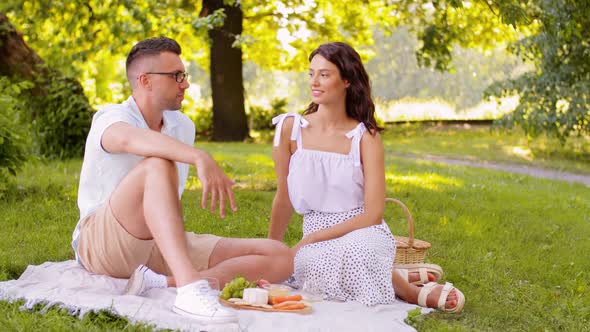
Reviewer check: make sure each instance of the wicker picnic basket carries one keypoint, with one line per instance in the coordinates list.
(408, 249)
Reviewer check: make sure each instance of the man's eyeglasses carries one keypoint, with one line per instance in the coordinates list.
(179, 76)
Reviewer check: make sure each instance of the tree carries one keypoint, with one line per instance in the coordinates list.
(553, 36)
(16, 57)
(395, 73)
(86, 33)
(263, 20)
(554, 98)
(57, 107)
(84, 38)
(227, 83)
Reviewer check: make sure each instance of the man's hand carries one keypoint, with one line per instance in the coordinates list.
(214, 181)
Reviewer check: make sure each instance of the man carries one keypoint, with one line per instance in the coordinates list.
(134, 172)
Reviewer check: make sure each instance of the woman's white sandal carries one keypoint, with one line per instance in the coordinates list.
(423, 269)
(442, 298)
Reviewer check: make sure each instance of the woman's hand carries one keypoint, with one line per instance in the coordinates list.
(302, 243)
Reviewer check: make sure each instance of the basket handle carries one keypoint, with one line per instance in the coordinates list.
(408, 216)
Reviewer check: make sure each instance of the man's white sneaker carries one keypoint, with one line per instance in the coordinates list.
(198, 301)
(144, 279)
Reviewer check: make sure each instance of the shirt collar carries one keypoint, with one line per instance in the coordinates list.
(168, 116)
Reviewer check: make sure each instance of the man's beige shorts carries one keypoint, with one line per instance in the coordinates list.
(105, 247)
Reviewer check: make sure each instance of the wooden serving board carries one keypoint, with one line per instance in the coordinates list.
(304, 311)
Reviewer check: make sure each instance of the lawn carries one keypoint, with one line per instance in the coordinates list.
(514, 245)
(482, 142)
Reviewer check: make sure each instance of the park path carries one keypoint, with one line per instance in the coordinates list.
(513, 168)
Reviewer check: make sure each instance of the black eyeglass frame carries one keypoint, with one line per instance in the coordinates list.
(179, 76)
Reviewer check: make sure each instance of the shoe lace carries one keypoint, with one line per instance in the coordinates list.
(207, 296)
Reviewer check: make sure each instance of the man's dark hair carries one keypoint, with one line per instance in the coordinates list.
(150, 47)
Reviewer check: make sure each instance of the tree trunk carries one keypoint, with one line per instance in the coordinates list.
(58, 110)
(227, 83)
(17, 59)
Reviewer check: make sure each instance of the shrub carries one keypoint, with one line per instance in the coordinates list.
(261, 118)
(60, 118)
(202, 117)
(13, 143)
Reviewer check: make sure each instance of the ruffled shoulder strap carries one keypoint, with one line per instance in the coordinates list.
(355, 149)
(298, 122)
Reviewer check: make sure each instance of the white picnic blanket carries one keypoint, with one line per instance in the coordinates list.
(69, 286)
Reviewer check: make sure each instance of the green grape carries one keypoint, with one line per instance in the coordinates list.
(235, 288)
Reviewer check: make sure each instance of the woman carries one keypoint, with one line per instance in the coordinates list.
(329, 165)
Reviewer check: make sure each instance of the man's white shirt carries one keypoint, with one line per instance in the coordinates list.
(102, 171)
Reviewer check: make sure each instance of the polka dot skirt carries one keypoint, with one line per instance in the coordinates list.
(354, 267)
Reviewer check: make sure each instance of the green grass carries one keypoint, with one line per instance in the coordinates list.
(484, 143)
(59, 320)
(515, 245)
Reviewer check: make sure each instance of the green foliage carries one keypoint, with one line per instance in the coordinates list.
(550, 35)
(211, 21)
(71, 35)
(60, 118)
(204, 122)
(202, 117)
(554, 98)
(437, 47)
(303, 25)
(443, 24)
(260, 117)
(80, 37)
(395, 72)
(13, 147)
(89, 39)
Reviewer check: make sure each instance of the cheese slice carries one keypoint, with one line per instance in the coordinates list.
(257, 296)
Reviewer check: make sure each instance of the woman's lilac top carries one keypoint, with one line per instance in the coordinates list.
(320, 180)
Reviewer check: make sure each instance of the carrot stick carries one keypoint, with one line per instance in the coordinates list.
(284, 304)
(296, 306)
(295, 298)
(276, 299)
(281, 299)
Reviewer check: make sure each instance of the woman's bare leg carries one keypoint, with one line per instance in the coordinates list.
(251, 258)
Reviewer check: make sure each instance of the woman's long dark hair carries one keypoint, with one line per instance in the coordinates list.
(359, 103)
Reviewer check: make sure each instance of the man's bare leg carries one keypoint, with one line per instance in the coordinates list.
(146, 204)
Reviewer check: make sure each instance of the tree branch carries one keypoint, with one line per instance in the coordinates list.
(490, 7)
